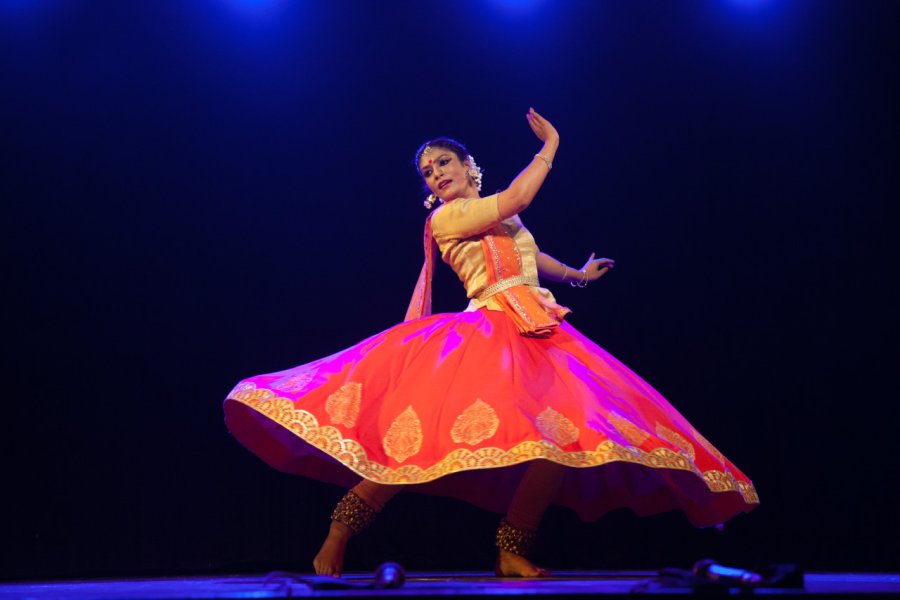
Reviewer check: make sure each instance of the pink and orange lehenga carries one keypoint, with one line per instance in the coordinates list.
(457, 404)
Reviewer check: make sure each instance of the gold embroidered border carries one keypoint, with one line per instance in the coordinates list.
(495, 254)
(512, 236)
(352, 455)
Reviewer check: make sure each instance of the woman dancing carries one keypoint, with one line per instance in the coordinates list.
(504, 405)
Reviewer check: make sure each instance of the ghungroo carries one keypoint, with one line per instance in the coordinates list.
(515, 540)
(353, 512)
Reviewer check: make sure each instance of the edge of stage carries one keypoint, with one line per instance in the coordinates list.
(472, 584)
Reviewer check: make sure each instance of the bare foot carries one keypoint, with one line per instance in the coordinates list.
(514, 565)
(330, 559)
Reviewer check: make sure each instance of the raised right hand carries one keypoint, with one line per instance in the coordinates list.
(541, 126)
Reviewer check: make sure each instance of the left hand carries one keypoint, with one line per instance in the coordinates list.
(597, 267)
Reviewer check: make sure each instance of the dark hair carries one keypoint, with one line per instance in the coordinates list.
(442, 142)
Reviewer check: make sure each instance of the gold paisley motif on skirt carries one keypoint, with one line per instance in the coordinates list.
(475, 424)
(709, 447)
(556, 427)
(676, 439)
(404, 437)
(294, 384)
(343, 405)
(631, 432)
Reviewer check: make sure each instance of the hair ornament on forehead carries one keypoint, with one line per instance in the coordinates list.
(474, 172)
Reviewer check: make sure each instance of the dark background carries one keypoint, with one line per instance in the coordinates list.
(199, 191)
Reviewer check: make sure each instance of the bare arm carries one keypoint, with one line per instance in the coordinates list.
(554, 270)
(518, 196)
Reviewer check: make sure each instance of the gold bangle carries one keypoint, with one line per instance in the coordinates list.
(546, 160)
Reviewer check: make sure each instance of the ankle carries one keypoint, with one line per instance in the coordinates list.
(351, 516)
(339, 532)
(514, 540)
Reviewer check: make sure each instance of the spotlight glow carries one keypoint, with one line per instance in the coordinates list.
(749, 3)
(256, 7)
(516, 6)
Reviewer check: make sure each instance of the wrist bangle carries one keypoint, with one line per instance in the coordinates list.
(546, 160)
(583, 282)
(566, 274)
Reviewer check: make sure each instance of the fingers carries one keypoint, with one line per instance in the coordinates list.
(600, 267)
(534, 119)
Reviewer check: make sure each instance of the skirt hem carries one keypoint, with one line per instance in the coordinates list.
(325, 439)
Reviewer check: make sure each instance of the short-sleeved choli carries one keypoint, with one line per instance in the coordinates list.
(458, 227)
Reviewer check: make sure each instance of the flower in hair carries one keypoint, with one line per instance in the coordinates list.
(475, 172)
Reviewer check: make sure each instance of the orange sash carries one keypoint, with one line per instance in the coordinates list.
(532, 313)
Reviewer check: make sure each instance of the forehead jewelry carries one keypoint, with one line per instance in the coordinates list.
(426, 152)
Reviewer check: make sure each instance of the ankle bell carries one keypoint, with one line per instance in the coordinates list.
(353, 512)
(513, 539)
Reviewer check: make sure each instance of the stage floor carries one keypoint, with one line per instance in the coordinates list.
(460, 585)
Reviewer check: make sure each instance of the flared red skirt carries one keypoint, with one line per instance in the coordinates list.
(457, 404)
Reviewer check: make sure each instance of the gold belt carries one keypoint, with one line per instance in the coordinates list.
(505, 284)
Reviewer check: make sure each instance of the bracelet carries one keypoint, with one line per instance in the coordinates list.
(566, 274)
(546, 160)
(583, 282)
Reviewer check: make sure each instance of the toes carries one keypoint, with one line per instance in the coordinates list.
(517, 566)
(322, 568)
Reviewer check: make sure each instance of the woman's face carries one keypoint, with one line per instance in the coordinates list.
(445, 174)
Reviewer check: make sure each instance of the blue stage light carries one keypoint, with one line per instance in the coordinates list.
(749, 3)
(256, 7)
(516, 6)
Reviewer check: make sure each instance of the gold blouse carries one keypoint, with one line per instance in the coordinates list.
(458, 227)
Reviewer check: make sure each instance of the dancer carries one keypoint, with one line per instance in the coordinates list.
(504, 405)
